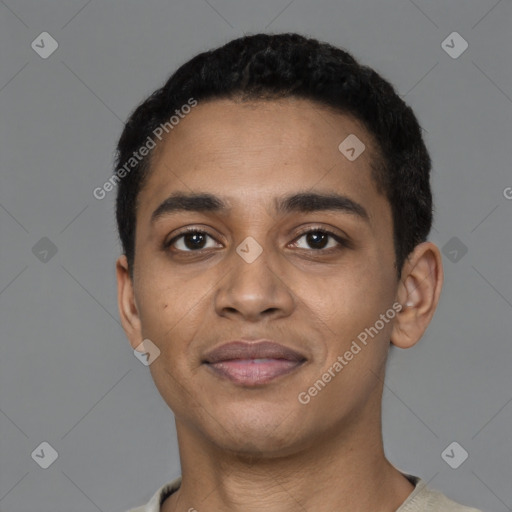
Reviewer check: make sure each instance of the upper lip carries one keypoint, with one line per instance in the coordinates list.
(260, 349)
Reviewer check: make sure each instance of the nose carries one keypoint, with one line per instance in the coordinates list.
(254, 290)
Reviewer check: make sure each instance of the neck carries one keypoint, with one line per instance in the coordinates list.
(343, 469)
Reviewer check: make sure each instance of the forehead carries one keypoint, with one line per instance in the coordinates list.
(259, 150)
(222, 126)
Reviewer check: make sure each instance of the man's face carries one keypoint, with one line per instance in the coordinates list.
(309, 293)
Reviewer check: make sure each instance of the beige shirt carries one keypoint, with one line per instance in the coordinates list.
(421, 499)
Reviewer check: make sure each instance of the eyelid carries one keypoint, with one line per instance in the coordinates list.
(325, 229)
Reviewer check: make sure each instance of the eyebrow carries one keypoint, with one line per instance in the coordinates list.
(300, 202)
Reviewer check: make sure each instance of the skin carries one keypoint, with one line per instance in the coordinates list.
(247, 449)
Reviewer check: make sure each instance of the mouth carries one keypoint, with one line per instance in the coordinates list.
(253, 363)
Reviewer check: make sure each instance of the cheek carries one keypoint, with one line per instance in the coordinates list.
(349, 301)
(165, 306)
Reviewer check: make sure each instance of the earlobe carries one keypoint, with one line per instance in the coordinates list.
(128, 311)
(418, 292)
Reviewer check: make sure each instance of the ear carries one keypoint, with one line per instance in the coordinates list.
(128, 311)
(418, 293)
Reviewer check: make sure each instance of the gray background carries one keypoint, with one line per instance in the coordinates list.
(69, 377)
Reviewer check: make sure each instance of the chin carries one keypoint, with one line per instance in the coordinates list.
(253, 432)
(259, 446)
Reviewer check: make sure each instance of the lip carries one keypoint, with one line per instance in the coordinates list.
(253, 363)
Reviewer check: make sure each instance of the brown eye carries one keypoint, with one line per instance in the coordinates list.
(190, 241)
(318, 239)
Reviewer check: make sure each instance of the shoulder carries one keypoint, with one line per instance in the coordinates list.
(153, 505)
(424, 499)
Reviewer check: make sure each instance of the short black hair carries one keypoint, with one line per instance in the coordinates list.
(274, 66)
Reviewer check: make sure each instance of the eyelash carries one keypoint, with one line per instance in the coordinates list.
(187, 231)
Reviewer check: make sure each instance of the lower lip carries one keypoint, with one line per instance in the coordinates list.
(253, 372)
